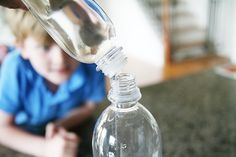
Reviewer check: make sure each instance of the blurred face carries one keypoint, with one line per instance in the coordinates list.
(49, 60)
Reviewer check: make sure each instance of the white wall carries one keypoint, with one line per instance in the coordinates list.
(6, 37)
(135, 31)
(225, 34)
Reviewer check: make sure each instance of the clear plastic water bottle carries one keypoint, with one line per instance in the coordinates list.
(126, 128)
(82, 29)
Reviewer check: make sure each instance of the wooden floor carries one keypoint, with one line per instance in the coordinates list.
(191, 66)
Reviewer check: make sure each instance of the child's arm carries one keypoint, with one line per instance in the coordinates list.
(77, 116)
(13, 137)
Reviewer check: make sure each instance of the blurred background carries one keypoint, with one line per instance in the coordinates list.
(163, 37)
(175, 48)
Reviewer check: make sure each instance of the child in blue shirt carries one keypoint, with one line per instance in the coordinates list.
(44, 91)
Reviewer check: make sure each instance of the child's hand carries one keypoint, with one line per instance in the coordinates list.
(51, 130)
(60, 143)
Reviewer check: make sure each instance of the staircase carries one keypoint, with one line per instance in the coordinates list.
(188, 27)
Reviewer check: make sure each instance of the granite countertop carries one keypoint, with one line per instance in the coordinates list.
(196, 114)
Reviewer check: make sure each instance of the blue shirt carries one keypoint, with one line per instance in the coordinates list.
(24, 94)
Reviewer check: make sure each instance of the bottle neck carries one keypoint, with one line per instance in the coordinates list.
(124, 92)
(112, 62)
